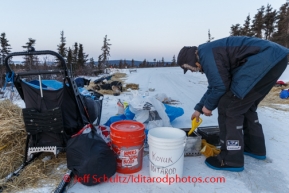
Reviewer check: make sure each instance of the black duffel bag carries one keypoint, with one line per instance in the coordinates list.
(90, 158)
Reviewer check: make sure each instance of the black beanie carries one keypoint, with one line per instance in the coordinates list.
(187, 56)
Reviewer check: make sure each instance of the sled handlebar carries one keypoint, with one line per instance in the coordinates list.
(29, 53)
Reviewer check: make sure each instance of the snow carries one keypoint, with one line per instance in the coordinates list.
(270, 175)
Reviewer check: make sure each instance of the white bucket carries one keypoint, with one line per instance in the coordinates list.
(166, 152)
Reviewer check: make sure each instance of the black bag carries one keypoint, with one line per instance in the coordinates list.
(90, 158)
(211, 134)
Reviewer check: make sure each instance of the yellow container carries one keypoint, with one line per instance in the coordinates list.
(195, 124)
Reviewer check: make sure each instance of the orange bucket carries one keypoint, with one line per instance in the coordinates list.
(127, 139)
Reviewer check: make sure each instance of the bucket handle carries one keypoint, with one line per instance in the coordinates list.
(168, 165)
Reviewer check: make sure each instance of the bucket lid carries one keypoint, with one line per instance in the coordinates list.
(127, 126)
(167, 134)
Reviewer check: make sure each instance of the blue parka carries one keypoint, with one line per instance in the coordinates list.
(236, 63)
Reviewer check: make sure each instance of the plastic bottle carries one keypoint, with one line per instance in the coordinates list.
(120, 107)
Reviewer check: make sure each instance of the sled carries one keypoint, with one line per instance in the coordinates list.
(55, 109)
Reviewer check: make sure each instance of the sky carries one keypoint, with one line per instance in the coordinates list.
(137, 29)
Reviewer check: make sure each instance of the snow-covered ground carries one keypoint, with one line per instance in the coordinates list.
(270, 175)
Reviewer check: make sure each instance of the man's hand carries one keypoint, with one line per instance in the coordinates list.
(196, 115)
(206, 111)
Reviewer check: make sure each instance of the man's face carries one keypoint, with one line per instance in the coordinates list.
(191, 68)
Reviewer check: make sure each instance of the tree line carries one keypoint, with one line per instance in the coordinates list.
(267, 23)
(144, 64)
(76, 59)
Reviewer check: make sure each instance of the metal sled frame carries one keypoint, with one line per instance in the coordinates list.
(51, 120)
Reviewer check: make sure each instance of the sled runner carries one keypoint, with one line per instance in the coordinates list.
(55, 109)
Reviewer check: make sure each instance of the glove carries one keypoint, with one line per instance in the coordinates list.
(209, 150)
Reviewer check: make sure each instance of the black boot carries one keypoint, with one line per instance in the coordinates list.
(215, 163)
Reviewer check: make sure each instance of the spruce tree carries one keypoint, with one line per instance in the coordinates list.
(45, 63)
(91, 63)
(158, 64)
(235, 30)
(281, 36)
(174, 63)
(257, 23)
(103, 58)
(210, 38)
(74, 57)
(69, 59)
(120, 64)
(5, 47)
(4, 51)
(163, 62)
(132, 63)
(269, 21)
(81, 57)
(145, 63)
(99, 62)
(246, 29)
(30, 43)
(30, 61)
(61, 48)
(124, 63)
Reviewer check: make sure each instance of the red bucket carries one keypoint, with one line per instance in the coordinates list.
(127, 139)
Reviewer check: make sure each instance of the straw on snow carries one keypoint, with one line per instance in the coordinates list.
(12, 137)
(12, 148)
(273, 99)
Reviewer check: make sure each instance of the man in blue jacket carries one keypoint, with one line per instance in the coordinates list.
(240, 71)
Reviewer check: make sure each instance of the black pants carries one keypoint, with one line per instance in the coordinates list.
(239, 125)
